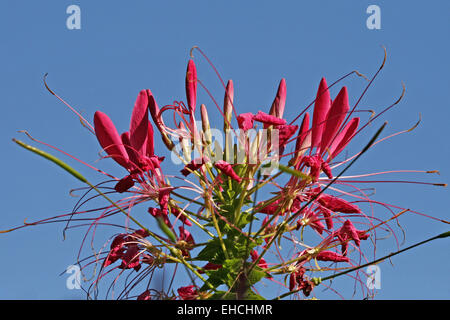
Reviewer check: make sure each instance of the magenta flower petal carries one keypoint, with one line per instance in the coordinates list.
(132, 154)
(285, 132)
(262, 263)
(344, 137)
(349, 232)
(331, 256)
(327, 170)
(163, 198)
(337, 204)
(124, 184)
(245, 121)
(130, 260)
(186, 235)
(109, 138)
(157, 213)
(140, 233)
(154, 109)
(271, 208)
(139, 124)
(315, 165)
(194, 165)
(144, 295)
(327, 215)
(311, 219)
(210, 266)
(226, 168)
(336, 115)
(304, 128)
(188, 293)
(150, 141)
(268, 119)
(321, 108)
(117, 249)
(279, 102)
(180, 216)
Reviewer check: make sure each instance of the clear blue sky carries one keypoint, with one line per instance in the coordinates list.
(124, 47)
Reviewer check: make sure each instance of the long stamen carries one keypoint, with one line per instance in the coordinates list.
(82, 119)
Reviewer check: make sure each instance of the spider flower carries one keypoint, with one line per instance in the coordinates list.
(221, 200)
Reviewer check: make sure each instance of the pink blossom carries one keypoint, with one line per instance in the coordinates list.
(186, 235)
(124, 184)
(245, 121)
(285, 132)
(194, 165)
(270, 208)
(144, 295)
(335, 116)
(188, 293)
(109, 138)
(262, 263)
(349, 232)
(343, 138)
(311, 219)
(180, 216)
(124, 247)
(303, 139)
(321, 108)
(268, 119)
(337, 204)
(158, 213)
(226, 168)
(210, 266)
(327, 215)
(296, 278)
(331, 256)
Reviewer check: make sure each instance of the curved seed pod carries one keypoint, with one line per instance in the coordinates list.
(157, 119)
(52, 158)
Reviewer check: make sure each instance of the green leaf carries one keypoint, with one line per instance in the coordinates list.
(255, 276)
(212, 252)
(253, 296)
(225, 275)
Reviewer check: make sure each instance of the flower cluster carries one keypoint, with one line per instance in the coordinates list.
(304, 226)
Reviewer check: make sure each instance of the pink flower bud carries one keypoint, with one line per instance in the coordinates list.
(191, 85)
